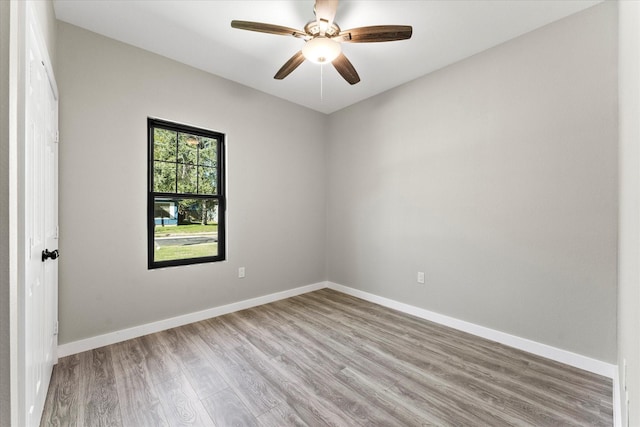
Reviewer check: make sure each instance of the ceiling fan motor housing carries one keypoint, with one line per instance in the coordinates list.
(313, 29)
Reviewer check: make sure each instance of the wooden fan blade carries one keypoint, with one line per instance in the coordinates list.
(377, 33)
(325, 13)
(293, 63)
(346, 70)
(268, 28)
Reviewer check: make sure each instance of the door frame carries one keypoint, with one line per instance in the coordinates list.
(21, 14)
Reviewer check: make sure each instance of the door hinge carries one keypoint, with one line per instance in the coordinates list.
(55, 328)
(57, 137)
(57, 232)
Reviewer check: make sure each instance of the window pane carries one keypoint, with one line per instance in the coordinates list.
(207, 180)
(188, 148)
(187, 179)
(164, 177)
(185, 195)
(185, 228)
(208, 152)
(164, 145)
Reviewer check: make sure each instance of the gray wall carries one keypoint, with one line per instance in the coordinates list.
(275, 181)
(629, 233)
(497, 176)
(5, 389)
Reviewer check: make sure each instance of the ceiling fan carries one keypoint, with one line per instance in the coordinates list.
(323, 37)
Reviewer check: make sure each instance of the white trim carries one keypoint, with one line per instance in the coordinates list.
(617, 408)
(161, 325)
(46, 59)
(582, 362)
(17, 18)
(576, 360)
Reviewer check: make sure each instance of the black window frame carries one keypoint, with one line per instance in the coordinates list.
(153, 123)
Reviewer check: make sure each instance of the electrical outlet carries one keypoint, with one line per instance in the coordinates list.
(421, 277)
(241, 273)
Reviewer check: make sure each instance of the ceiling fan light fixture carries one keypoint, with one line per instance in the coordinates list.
(324, 36)
(321, 50)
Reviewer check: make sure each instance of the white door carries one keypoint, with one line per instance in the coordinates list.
(41, 225)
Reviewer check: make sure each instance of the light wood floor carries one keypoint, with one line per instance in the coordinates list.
(323, 358)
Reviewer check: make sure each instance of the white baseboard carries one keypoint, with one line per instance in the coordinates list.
(161, 325)
(553, 353)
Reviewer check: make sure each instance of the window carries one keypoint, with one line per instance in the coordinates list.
(186, 202)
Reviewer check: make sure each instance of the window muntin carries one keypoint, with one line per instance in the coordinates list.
(186, 194)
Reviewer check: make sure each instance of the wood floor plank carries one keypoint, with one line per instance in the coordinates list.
(102, 405)
(367, 387)
(217, 332)
(62, 402)
(226, 409)
(322, 384)
(540, 395)
(260, 335)
(300, 396)
(320, 329)
(330, 348)
(426, 377)
(159, 363)
(317, 362)
(201, 374)
(281, 416)
(139, 401)
(243, 379)
(182, 405)
(322, 358)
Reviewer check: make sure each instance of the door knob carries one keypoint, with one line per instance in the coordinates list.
(53, 254)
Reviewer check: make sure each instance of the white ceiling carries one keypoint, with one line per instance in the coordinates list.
(198, 33)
